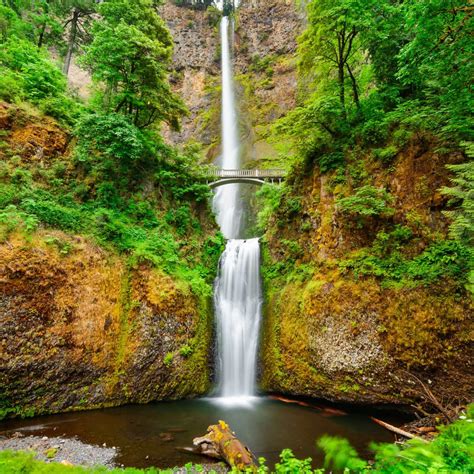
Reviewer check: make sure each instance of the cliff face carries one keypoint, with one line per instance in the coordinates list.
(79, 329)
(332, 335)
(265, 67)
(196, 64)
(82, 325)
(265, 73)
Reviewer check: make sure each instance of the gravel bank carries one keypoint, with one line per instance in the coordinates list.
(67, 450)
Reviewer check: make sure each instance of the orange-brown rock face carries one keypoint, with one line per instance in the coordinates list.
(35, 139)
(329, 334)
(83, 330)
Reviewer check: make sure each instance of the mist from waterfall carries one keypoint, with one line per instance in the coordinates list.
(237, 291)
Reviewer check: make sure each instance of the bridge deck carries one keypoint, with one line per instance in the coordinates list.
(218, 173)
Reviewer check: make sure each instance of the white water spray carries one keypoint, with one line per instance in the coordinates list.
(237, 292)
(238, 301)
(227, 204)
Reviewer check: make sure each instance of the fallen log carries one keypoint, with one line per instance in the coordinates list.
(396, 430)
(326, 410)
(221, 443)
(426, 429)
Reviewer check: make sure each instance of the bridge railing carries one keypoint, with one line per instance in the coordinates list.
(226, 173)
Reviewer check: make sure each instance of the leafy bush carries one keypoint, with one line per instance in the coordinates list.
(268, 198)
(54, 215)
(444, 259)
(168, 359)
(387, 154)
(462, 195)
(10, 85)
(62, 108)
(38, 77)
(367, 201)
(12, 218)
(373, 132)
(186, 350)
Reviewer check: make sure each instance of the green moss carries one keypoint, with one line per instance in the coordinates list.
(168, 359)
(51, 453)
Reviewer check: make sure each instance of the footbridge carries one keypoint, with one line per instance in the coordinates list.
(218, 177)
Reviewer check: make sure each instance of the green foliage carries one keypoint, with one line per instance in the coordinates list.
(168, 359)
(462, 196)
(340, 455)
(367, 201)
(186, 350)
(27, 73)
(130, 51)
(289, 464)
(31, 67)
(443, 259)
(387, 154)
(111, 147)
(436, 64)
(378, 70)
(269, 198)
(24, 462)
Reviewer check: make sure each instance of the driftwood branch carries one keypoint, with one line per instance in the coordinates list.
(396, 430)
(432, 399)
(220, 442)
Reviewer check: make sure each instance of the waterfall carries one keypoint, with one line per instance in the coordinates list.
(237, 291)
(227, 204)
(237, 301)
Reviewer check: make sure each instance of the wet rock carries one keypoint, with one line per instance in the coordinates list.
(57, 355)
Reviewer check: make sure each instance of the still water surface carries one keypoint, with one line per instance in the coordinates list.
(158, 430)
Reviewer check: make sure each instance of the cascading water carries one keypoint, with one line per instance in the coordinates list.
(238, 303)
(227, 204)
(237, 292)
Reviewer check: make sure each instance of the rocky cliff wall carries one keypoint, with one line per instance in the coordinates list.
(80, 329)
(84, 325)
(265, 70)
(333, 335)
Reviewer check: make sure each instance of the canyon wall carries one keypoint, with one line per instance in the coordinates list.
(330, 333)
(80, 329)
(81, 324)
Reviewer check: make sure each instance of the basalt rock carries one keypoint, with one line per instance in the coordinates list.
(328, 334)
(84, 330)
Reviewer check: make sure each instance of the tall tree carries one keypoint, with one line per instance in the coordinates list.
(332, 38)
(437, 62)
(130, 53)
(77, 14)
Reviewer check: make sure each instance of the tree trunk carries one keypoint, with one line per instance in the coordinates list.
(396, 430)
(355, 90)
(220, 443)
(71, 41)
(342, 93)
(41, 36)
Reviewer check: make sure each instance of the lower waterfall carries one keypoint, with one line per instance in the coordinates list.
(238, 302)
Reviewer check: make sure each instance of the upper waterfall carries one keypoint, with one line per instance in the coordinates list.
(227, 204)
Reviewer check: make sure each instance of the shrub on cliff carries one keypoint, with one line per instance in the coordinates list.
(368, 201)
